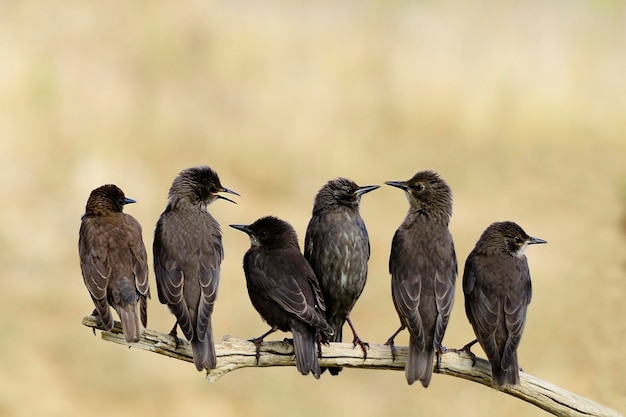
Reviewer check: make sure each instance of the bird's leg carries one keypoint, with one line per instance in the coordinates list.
(319, 339)
(442, 349)
(259, 340)
(357, 340)
(95, 314)
(391, 344)
(467, 349)
(174, 334)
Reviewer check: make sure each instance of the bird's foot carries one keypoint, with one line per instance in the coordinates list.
(364, 345)
(392, 346)
(258, 341)
(439, 352)
(467, 349)
(174, 335)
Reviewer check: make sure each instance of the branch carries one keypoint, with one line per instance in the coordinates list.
(234, 354)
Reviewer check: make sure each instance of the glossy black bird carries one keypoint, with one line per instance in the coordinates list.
(337, 247)
(497, 288)
(113, 261)
(423, 271)
(187, 257)
(283, 288)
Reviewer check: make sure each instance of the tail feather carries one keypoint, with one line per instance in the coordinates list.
(505, 377)
(131, 327)
(204, 351)
(305, 348)
(419, 365)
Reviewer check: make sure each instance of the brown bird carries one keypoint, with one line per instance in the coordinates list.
(113, 261)
(337, 247)
(497, 288)
(283, 288)
(423, 271)
(187, 257)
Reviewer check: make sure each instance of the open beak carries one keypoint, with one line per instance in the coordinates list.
(229, 191)
(366, 189)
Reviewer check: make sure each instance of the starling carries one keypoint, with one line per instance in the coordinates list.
(337, 247)
(423, 271)
(283, 288)
(497, 288)
(187, 256)
(113, 261)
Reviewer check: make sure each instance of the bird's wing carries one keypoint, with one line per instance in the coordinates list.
(515, 307)
(445, 280)
(406, 287)
(286, 284)
(484, 313)
(210, 261)
(94, 261)
(138, 256)
(139, 264)
(95, 266)
(170, 281)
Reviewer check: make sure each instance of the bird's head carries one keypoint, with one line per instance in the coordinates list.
(427, 193)
(270, 233)
(107, 198)
(508, 237)
(341, 191)
(200, 185)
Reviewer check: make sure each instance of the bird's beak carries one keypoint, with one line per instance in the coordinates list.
(243, 227)
(398, 184)
(365, 189)
(229, 191)
(129, 201)
(535, 240)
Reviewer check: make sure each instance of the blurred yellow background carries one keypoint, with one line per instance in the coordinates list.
(519, 106)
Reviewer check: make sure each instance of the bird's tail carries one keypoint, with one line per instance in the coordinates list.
(336, 337)
(419, 364)
(506, 377)
(305, 347)
(131, 326)
(204, 350)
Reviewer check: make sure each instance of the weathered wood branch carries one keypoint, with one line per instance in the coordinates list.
(234, 354)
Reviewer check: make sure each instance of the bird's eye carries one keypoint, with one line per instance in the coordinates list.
(419, 187)
(519, 240)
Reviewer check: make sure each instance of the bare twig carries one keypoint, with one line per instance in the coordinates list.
(234, 354)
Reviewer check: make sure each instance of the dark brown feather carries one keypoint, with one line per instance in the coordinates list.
(423, 270)
(497, 287)
(187, 257)
(113, 261)
(283, 288)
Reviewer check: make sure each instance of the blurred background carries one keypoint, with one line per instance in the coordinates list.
(519, 106)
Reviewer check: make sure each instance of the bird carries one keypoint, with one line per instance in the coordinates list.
(113, 261)
(337, 247)
(497, 288)
(423, 271)
(188, 253)
(284, 290)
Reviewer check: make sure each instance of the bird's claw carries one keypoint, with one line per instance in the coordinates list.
(467, 349)
(392, 346)
(257, 343)
(364, 346)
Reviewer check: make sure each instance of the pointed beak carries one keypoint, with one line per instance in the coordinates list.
(243, 227)
(229, 191)
(398, 184)
(535, 240)
(129, 201)
(365, 189)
